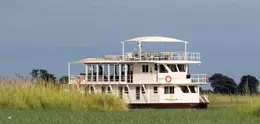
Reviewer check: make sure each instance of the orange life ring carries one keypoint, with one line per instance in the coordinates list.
(207, 79)
(168, 79)
(78, 80)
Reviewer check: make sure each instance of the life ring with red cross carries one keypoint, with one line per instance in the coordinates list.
(168, 79)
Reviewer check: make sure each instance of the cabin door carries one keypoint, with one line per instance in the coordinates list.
(155, 73)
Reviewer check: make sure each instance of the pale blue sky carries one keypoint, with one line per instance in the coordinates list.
(50, 33)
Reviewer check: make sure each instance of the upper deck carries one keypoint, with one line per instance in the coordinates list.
(144, 56)
(156, 56)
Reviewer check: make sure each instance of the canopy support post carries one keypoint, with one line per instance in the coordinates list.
(123, 51)
(185, 51)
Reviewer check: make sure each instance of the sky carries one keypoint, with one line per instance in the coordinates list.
(48, 34)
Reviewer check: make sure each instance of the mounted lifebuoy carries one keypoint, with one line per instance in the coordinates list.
(168, 79)
(78, 80)
(207, 79)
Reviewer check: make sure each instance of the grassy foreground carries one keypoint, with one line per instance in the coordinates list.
(22, 104)
(210, 116)
(52, 98)
(222, 110)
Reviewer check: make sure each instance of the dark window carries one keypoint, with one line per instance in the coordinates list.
(145, 68)
(126, 90)
(193, 89)
(143, 91)
(92, 89)
(155, 67)
(181, 68)
(169, 90)
(137, 89)
(184, 89)
(103, 89)
(108, 90)
(100, 70)
(155, 89)
(163, 69)
(172, 67)
(166, 90)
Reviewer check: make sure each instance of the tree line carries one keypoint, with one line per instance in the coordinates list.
(225, 85)
(220, 83)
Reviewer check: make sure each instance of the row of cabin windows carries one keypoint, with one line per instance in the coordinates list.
(193, 89)
(162, 69)
(184, 89)
(167, 90)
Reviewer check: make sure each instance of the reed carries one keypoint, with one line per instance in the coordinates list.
(24, 96)
(245, 104)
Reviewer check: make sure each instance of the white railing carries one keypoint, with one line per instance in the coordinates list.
(199, 78)
(153, 56)
(100, 78)
(114, 57)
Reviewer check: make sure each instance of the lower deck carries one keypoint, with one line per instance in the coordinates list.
(150, 94)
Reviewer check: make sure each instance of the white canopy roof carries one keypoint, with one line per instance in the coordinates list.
(154, 39)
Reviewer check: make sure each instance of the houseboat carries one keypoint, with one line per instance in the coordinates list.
(145, 79)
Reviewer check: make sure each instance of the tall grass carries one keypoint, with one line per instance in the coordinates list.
(246, 104)
(53, 97)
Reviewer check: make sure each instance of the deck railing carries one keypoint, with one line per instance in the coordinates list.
(160, 56)
(89, 78)
(199, 78)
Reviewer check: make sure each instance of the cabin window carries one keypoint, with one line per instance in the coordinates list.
(103, 89)
(163, 69)
(155, 89)
(184, 89)
(145, 68)
(172, 67)
(168, 90)
(137, 89)
(92, 89)
(108, 89)
(143, 91)
(155, 67)
(181, 67)
(193, 89)
(126, 90)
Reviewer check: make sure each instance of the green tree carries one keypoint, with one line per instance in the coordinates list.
(64, 80)
(248, 85)
(223, 84)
